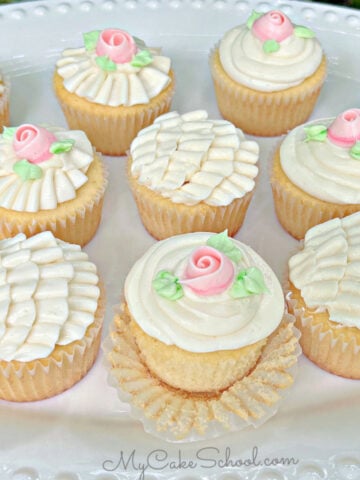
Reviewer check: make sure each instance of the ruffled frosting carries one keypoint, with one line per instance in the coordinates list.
(191, 159)
(244, 60)
(48, 295)
(126, 85)
(327, 269)
(320, 168)
(201, 323)
(62, 174)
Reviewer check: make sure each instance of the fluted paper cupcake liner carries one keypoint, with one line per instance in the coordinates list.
(4, 104)
(297, 211)
(265, 113)
(178, 416)
(332, 346)
(74, 221)
(111, 129)
(65, 366)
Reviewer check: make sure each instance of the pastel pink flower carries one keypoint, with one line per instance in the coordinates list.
(33, 143)
(208, 271)
(345, 129)
(116, 44)
(273, 25)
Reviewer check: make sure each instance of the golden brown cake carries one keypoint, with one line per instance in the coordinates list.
(324, 295)
(4, 102)
(122, 88)
(189, 173)
(53, 311)
(267, 74)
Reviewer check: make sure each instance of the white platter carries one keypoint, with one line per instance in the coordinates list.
(81, 434)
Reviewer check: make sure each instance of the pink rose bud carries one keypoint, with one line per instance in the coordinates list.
(33, 143)
(273, 25)
(116, 44)
(345, 129)
(208, 272)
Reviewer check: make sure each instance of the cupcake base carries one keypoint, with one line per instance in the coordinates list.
(4, 106)
(177, 415)
(297, 211)
(111, 129)
(265, 113)
(163, 218)
(74, 221)
(46, 377)
(333, 347)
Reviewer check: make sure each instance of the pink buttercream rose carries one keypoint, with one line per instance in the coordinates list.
(208, 272)
(345, 129)
(33, 143)
(273, 25)
(116, 44)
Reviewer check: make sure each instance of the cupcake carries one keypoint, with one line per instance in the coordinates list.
(204, 333)
(189, 173)
(267, 74)
(4, 102)
(113, 87)
(315, 175)
(50, 179)
(324, 295)
(52, 313)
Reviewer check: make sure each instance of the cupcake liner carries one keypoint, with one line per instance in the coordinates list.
(74, 221)
(65, 366)
(111, 129)
(332, 346)
(297, 211)
(163, 218)
(265, 113)
(177, 416)
(4, 104)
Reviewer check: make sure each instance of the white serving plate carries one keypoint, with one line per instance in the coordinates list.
(81, 434)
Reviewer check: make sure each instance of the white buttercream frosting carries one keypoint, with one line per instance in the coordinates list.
(48, 295)
(244, 60)
(191, 159)
(62, 174)
(327, 269)
(197, 323)
(127, 85)
(321, 169)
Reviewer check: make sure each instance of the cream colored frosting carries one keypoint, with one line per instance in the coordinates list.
(127, 85)
(243, 59)
(321, 169)
(191, 159)
(48, 295)
(197, 323)
(63, 174)
(327, 270)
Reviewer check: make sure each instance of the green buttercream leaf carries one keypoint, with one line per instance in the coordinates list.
(303, 32)
(9, 132)
(27, 171)
(316, 133)
(355, 151)
(105, 63)
(140, 43)
(62, 146)
(167, 285)
(271, 46)
(224, 244)
(254, 16)
(248, 282)
(142, 59)
(90, 39)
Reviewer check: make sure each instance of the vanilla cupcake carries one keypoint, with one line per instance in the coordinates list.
(203, 323)
(324, 295)
(315, 175)
(51, 316)
(4, 102)
(50, 179)
(189, 173)
(113, 87)
(267, 74)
